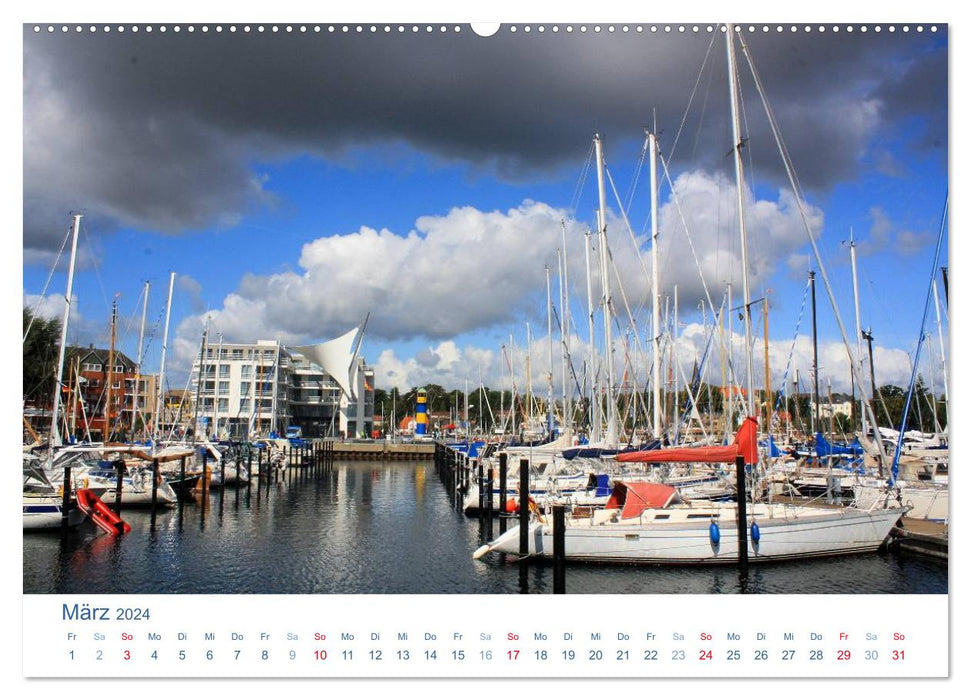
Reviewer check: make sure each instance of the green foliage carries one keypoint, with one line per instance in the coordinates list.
(40, 358)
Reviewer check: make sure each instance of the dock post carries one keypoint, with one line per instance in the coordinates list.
(66, 499)
(249, 470)
(742, 514)
(181, 476)
(523, 507)
(503, 459)
(119, 483)
(259, 466)
(481, 485)
(205, 473)
(559, 549)
(488, 503)
(222, 472)
(155, 477)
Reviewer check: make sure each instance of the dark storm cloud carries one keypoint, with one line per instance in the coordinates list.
(160, 131)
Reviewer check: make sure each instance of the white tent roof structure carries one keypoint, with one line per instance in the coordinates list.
(336, 357)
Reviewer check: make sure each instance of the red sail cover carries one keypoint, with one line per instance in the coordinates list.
(745, 444)
(637, 496)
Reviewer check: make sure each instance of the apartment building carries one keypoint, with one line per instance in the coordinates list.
(241, 390)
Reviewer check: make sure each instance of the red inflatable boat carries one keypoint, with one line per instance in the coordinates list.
(102, 515)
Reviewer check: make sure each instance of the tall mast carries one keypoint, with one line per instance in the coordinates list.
(676, 366)
(106, 433)
(940, 337)
(739, 187)
(197, 414)
(529, 380)
(859, 332)
(768, 372)
(655, 289)
(55, 429)
(161, 370)
(595, 383)
(138, 361)
(730, 398)
(567, 394)
(605, 281)
(549, 336)
(812, 286)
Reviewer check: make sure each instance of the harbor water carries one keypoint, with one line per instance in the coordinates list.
(385, 527)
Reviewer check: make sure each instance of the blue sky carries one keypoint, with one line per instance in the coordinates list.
(296, 183)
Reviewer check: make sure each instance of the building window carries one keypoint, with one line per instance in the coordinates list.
(223, 371)
(223, 405)
(223, 388)
(244, 405)
(91, 367)
(116, 385)
(247, 371)
(244, 388)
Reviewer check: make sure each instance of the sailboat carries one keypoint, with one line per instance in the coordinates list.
(652, 523)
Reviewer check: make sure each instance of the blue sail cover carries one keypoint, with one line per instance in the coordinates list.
(773, 450)
(824, 448)
(596, 452)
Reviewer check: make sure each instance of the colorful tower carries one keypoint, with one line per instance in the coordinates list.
(421, 413)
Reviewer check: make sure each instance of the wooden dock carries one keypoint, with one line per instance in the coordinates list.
(921, 537)
(378, 450)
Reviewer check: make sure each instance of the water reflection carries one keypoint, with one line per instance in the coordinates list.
(383, 527)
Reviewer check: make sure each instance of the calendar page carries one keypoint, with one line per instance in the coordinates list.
(376, 344)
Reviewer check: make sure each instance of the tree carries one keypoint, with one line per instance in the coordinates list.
(40, 358)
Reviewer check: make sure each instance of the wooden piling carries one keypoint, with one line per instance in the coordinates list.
(559, 549)
(488, 504)
(481, 484)
(742, 514)
(155, 476)
(523, 507)
(182, 478)
(119, 483)
(66, 499)
(503, 459)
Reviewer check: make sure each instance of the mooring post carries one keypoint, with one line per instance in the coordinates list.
(503, 459)
(488, 503)
(205, 473)
(66, 499)
(119, 483)
(182, 476)
(222, 473)
(481, 489)
(523, 507)
(259, 467)
(559, 549)
(155, 477)
(742, 514)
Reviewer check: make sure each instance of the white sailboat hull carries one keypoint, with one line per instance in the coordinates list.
(44, 513)
(786, 533)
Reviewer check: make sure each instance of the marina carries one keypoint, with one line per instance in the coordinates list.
(253, 448)
(386, 527)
